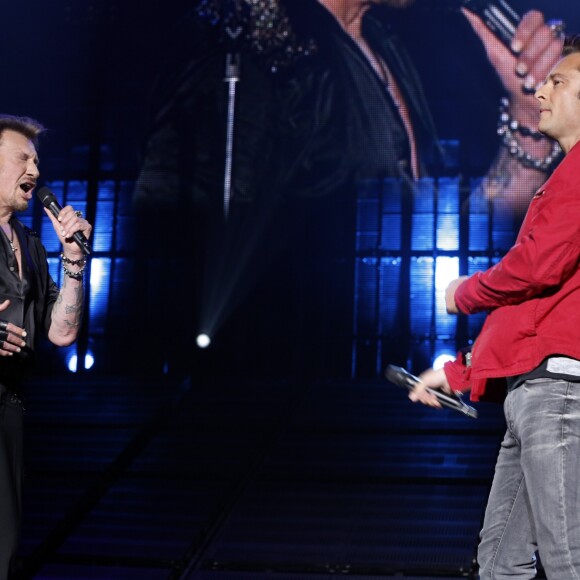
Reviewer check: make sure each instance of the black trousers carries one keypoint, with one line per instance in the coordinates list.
(10, 477)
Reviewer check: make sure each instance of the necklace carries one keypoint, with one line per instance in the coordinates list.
(10, 238)
(12, 246)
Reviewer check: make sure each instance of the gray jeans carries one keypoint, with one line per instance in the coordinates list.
(534, 503)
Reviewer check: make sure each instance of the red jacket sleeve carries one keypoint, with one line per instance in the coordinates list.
(458, 374)
(546, 253)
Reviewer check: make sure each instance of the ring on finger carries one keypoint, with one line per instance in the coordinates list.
(79, 213)
(521, 69)
(557, 27)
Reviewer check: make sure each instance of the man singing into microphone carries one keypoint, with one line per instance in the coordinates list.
(31, 304)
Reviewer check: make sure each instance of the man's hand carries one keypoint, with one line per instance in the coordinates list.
(536, 47)
(68, 222)
(11, 336)
(434, 380)
(450, 305)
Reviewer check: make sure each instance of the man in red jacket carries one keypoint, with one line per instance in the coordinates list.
(531, 340)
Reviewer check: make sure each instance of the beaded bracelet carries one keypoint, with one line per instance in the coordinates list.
(505, 120)
(506, 129)
(79, 262)
(75, 275)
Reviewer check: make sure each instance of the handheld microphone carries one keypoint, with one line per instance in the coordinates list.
(497, 15)
(403, 378)
(49, 201)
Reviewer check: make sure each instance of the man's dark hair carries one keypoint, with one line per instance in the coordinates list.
(571, 45)
(28, 127)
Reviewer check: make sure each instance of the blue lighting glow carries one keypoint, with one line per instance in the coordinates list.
(73, 361)
(446, 270)
(97, 274)
(100, 283)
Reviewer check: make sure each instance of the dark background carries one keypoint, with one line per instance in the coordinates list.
(135, 473)
(77, 64)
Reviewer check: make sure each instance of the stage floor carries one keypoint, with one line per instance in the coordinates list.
(152, 478)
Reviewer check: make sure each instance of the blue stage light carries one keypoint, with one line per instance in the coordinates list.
(73, 361)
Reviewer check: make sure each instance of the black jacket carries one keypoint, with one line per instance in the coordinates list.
(310, 129)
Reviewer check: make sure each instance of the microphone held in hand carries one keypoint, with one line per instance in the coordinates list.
(497, 15)
(49, 201)
(403, 378)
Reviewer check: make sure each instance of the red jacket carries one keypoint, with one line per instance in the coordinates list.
(533, 293)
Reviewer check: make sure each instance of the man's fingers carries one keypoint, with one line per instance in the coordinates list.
(6, 347)
(497, 53)
(420, 394)
(450, 304)
(11, 340)
(527, 28)
(11, 336)
(71, 221)
(549, 54)
(9, 328)
(535, 49)
(539, 48)
(416, 392)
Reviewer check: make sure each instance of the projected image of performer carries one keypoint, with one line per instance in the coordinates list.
(328, 96)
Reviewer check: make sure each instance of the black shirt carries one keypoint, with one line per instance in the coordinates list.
(31, 296)
(564, 371)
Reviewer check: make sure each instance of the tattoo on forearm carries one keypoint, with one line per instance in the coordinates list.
(509, 183)
(73, 308)
(499, 178)
(70, 315)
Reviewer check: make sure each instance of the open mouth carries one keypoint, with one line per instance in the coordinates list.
(26, 187)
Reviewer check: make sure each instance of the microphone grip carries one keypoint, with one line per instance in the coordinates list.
(80, 238)
(403, 378)
(497, 15)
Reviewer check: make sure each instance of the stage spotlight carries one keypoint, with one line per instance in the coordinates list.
(73, 362)
(203, 340)
(441, 359)
(446, 270)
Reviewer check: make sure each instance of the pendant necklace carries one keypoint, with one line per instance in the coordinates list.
(12, 246)
(11, 238)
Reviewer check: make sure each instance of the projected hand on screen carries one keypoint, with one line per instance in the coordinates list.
(526, 156)
(535, 48)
